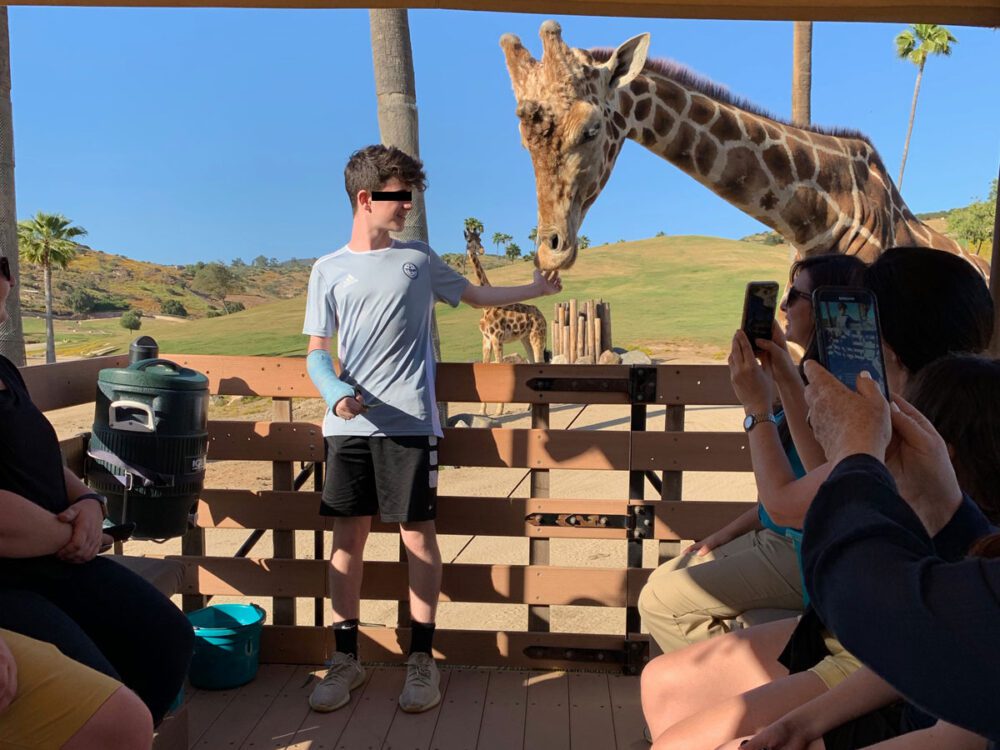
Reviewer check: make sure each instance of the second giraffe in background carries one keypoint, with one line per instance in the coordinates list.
(503, 325)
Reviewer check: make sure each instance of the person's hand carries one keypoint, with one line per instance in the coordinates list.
(776, 348)
(781, 735)
(918, 459)
(547, 283)
(707, 544)
(754, 386)
(350, 407)
(8, 676)
(87, 518)
(846, 422)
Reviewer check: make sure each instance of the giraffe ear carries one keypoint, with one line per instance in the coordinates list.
(627, 61)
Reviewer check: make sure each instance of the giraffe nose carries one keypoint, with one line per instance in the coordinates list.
(555, 243)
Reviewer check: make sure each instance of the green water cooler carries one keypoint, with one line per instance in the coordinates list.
(149, 444)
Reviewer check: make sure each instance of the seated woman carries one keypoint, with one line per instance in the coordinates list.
(47, 700)
(685, 702)
(960, 396)
(53, 586)
(752, 562)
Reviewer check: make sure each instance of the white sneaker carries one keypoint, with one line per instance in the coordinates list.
(421, 689)
(334, 690)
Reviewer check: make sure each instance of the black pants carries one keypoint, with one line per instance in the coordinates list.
(102, 615)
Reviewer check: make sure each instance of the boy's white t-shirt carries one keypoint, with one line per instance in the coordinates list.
(378, 304)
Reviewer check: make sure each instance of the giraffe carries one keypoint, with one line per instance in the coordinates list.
(502, 325)
(820, 190)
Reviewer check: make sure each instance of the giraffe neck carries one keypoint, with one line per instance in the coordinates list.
(820, 192)
(480, 273)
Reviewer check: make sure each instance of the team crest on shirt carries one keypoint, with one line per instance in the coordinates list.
(410, 270)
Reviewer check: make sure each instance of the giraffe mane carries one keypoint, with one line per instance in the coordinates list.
(675, 71)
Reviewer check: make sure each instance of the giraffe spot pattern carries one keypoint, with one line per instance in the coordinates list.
(642, 109)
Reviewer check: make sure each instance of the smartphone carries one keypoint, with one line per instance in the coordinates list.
(759, 305)
(848, 336)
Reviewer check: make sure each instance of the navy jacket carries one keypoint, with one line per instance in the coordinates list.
(929, 628)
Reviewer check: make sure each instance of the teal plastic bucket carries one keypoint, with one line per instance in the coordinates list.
(226, 645)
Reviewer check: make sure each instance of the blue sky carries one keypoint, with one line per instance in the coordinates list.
(179, 135)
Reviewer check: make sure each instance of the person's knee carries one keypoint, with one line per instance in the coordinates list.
(350, 534)
(419, 537)
(122, 722)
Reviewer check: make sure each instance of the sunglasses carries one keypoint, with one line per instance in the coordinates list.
(5, 267)
(797, 294)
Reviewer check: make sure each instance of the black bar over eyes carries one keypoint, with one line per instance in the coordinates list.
(404, 196)
(5, 267)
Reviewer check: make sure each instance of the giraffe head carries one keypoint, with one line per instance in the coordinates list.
(473, 244)
(568, 107)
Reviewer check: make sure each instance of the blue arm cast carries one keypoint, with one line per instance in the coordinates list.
(319, 365)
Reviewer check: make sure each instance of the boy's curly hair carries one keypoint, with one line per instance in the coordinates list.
(371, 167)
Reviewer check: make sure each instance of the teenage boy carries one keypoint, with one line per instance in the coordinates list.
(382, 426)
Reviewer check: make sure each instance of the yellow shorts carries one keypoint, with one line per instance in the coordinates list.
(836, 667)
(55, 695)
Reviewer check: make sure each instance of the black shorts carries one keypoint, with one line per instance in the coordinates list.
(393, 476)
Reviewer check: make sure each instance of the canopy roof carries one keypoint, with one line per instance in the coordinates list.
(964, 12)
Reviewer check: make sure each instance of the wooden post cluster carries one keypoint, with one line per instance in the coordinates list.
(581, 331)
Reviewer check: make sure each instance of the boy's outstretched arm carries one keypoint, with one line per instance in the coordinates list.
(495, 296)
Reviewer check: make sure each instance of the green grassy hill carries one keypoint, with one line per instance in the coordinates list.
(666, 291)
(121, 283)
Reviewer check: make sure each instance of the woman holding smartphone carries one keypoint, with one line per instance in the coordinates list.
(752, 563)
(685, 703)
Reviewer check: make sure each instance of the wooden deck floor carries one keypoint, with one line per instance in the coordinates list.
(480, 709)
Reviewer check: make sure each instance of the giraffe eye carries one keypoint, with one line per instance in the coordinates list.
(590, 133)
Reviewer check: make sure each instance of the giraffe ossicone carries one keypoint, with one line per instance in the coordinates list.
(822, 190)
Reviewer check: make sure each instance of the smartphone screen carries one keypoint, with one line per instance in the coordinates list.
(848, 335)
(758, 310)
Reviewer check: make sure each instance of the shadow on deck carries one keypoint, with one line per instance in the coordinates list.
(480, 709)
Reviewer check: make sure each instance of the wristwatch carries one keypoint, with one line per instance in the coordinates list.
(752, 420)
(94, 496)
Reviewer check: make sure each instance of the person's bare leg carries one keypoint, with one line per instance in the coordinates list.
(122, 722)
(741, 715)
(682, 683)
(735, 744)
(346, 566)
(424, 558)
(941, 735)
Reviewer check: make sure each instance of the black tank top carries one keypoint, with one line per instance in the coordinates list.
(30, 461)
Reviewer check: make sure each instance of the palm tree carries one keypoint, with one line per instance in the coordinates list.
(583, 242)
(802, 72)
(501, 239)
(396, 94)
(47, 240)
(533, 236)
(916, 44)
(11, 332)
(513, 252)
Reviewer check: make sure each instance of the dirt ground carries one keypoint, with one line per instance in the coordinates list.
(476, 482)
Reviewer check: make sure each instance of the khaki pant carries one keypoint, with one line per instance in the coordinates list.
(691, 599)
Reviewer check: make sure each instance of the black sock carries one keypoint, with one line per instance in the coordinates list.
(346, 635)
(421, 637)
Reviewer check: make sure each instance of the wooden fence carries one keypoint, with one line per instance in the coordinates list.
(659, 456)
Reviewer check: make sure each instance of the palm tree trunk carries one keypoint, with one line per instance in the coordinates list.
(50, 335)
(802, 72)
(995, 281)
(909, 129)
(11, 332)
(396, 93)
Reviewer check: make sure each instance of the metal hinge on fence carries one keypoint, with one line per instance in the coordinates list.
(640, 385)
(638, 521)
(632, 655)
